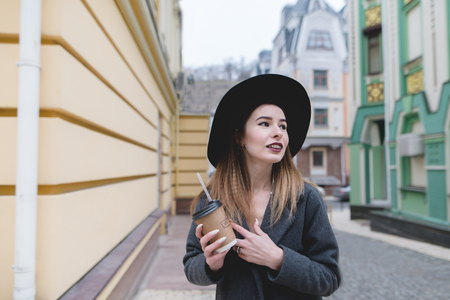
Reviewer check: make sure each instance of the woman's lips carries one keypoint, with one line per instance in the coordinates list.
(275, 147)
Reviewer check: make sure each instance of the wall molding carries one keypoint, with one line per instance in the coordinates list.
(57, 189)
(74, 119)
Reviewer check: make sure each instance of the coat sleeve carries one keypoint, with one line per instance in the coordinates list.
(195, 267)
(315, 271)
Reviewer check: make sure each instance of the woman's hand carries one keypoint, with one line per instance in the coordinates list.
(213, 259)
(258, 248)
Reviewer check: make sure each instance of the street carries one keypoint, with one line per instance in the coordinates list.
(371, 268)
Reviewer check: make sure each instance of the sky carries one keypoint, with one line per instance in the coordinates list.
(215, 31)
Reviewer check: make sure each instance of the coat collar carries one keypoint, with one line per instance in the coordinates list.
(279, 229)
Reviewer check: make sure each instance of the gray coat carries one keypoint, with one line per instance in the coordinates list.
(310, 267)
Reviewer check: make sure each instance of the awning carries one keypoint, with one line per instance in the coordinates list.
(333, 142)
(325, 180)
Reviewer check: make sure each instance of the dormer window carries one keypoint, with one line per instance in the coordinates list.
(320, 39)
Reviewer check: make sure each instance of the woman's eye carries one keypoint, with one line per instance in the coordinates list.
(264, 124)
(283, 127)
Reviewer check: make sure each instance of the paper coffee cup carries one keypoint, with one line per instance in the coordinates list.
(213, 217)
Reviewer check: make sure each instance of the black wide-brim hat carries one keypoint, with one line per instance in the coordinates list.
(246, 96)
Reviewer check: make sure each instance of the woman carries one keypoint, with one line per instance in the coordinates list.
(285, 246)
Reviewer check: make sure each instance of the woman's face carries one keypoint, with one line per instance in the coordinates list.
(265, 135)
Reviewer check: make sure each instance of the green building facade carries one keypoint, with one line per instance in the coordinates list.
(399, 84)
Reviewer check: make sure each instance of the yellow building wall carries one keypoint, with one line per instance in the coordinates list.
(7, 226)
(76, 230)
(100, 108)
(193, 141)
(187, 164)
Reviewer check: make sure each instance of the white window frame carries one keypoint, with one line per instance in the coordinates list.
(318, 170)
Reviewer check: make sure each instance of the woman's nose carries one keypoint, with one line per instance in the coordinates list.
(277, 132)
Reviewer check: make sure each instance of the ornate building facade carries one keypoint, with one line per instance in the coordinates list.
(311, 47)
(399, 79)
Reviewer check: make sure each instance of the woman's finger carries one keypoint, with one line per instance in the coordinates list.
(214, 246)
(244, 232)
(258, 229)
(220, 256)
(207, 237)
(241, 243)
(198, 231)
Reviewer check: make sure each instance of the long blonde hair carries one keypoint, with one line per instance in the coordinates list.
(231, 183)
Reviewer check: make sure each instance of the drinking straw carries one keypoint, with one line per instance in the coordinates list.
(204, 187)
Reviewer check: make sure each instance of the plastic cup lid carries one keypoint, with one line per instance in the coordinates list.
(212, 206)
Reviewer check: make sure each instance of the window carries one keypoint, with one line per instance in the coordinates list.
(372, 41)
(374, 53)
(413, 164)
(320, 79)
(319, 40)
(321, 117)
(414, 33)
(418, 173)
(318, 158)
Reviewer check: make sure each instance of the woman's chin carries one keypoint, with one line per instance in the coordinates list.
(273, 160)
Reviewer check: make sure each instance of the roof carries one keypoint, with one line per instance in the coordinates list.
(301, 6)
(203, 96)
(298, 10)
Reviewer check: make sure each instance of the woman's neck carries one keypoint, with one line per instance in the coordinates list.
(260, 177)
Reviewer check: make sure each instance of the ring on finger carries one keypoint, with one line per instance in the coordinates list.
(238, 250)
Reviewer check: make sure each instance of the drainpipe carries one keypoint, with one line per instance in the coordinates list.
(27, 150)
(386, 86)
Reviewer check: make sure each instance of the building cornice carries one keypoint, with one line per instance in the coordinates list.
(141, 22)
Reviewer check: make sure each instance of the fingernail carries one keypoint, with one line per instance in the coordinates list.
(257, 222)
(199, 225)
(220, 241)
(214, 232)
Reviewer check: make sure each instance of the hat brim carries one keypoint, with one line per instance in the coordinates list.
(282, 91)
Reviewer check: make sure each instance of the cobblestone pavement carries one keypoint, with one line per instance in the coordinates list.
(373, 269)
